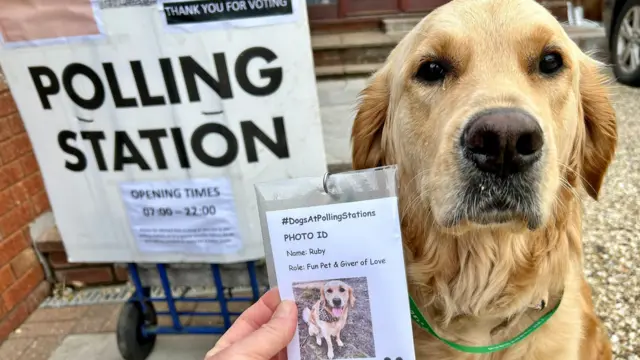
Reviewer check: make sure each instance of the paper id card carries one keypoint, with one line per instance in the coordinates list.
(343, 265)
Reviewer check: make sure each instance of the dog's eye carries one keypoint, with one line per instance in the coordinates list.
(431, 71)
(330, 291)
(550, 63)
(341, 289)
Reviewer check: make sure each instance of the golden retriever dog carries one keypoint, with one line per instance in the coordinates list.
(328, 316)
(497, 122)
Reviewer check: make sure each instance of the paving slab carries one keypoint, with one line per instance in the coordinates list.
(60, 314)
(12, 349)
(104, 347)
(338, 100)
(41, 348)
(40, 329)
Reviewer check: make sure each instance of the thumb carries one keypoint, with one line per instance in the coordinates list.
(269, 339)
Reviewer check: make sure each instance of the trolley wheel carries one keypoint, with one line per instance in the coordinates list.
(133, 345)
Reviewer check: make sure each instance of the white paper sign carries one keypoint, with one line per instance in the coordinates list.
(196, 215)
(344, 263)
(145, 105)
(193, 15)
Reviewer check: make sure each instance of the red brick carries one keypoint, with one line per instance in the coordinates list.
(22, 263)
(10, 173)
(8, 151)
(327, 58)
(40, 203)
(5, 129)
(26, 233)
(58, 260)
(37, 296)
(34, 184)
(6, 278)
(19, 192)
(13, 320)
(7, 105)
(29, 164)
(121, 273)
(11, 247)
(6, 202)
(10, 126)
(15, 124)
(23, 287)
(16, 219)
(15, 148)
(86, 276)
(23, 143)
(50, 241)
(3, 311)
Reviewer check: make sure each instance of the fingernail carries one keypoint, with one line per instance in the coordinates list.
(284, 309)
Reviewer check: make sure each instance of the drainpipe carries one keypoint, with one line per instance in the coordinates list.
(48, 273)
(38, 227)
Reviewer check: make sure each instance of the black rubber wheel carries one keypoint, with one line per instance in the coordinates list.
(131, 343)
(625, 76)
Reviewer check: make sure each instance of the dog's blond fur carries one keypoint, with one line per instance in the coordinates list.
(322, 329)
(476, 283)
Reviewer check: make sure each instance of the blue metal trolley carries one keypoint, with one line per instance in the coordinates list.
(138, 322)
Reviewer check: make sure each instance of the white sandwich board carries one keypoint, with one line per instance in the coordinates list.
(152, 120)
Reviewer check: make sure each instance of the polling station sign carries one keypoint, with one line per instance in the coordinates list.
(150, 141)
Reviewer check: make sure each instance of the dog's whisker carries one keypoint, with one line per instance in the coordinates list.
(578, 175)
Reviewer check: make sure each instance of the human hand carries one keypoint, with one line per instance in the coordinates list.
(260, 333)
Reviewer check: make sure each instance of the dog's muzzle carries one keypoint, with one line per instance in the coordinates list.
(500, 163)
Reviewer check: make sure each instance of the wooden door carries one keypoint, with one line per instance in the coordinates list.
(344, 9)
(318, 10)
(349, 8)
(419, 5)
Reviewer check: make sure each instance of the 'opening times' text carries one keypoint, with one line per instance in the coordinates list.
(153, 195)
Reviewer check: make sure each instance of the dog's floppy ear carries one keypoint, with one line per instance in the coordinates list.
(366, 134)
(600, 137)
(352, 298)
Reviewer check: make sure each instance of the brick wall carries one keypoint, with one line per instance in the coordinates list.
(22, 199)
(76, 274)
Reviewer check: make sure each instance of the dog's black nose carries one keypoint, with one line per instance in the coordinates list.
(336, 302)
(503, 141)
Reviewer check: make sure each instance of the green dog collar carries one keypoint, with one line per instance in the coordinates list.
(417, 316)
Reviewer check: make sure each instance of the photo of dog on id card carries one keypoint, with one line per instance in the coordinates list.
(334, 319)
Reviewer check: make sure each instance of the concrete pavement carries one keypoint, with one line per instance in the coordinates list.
(104, 347)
